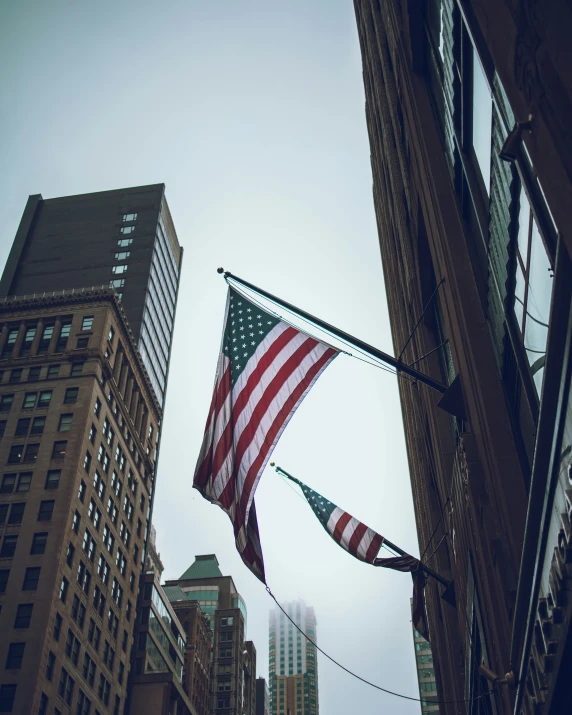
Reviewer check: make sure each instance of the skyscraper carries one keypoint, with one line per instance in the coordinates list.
(293, 661)
(80, 418)
(233, 669)
(124, 239)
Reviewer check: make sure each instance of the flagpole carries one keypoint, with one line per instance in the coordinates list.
(360, 344)
(386, 542)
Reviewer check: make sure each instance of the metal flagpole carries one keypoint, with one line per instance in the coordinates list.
(385, 357)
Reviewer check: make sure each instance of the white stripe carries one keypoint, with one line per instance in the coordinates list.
(367, 538)
(351, 526)
(273, 410)
(250, 366)
(333, 520)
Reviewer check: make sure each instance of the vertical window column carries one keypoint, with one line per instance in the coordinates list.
(37, 337)
(139, 415)
(19, 340)
(118, 364)
(123, 376)
(129, 385)
(55, 336)
(134, 402)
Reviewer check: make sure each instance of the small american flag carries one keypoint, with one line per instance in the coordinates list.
(265, 369)
(352, 535)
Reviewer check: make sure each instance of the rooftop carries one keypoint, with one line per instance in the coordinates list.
(203, 567)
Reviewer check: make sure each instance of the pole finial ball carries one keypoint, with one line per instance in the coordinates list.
(220, 270)
(272, 464)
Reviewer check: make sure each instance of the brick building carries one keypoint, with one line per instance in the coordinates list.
(197, 670)
(468, 104)
(82, 389)
(233, 663)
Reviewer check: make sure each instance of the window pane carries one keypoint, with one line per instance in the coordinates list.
(482, 120)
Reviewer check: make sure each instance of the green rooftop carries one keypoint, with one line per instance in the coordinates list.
(203, 567)
(174, 593)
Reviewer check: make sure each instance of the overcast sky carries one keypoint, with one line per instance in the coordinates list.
(252, 114)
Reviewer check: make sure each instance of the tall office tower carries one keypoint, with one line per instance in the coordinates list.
(293, 661)
(123, 238)
(233, 668)
(262, 697)
(468, 110)
(425, 672)
(79, 422)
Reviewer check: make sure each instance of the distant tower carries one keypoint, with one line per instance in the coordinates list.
(293, 664)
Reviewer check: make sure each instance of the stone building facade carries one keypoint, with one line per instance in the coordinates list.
(78, 417)
(467, 109)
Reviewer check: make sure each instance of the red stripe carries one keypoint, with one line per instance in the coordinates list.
(340, 526)
(374, 548)
(356, 538)
(205, 470)
(270, 393)
(281, 419)
(224, 444)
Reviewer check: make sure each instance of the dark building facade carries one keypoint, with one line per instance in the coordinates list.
(124, 238)
(262, 697)
(157, 683)
(233, 662)
(468, 105)
(80, 418)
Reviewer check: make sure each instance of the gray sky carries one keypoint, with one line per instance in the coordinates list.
(252, 113)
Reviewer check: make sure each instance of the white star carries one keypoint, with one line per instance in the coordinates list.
(251, 334)
(243, 345)
(269, 322)
(248, 310)
(240, 312)
(235, 348)
(240, 303)
(261, 332)
(234, 339)
(253, 343)
(259, 323)
(240, 320)
(245, 354)
(241, 328)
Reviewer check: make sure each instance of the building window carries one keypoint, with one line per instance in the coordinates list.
(75, 521)
(2, 428)
(117, 270)
(4, 574)
(64, 586)
(38, 425)
(23, 427)
(72, 647)
(43, 709)
(39, 543)
(23, 615)
(45, 398)
(45, 339)
(53, 479)
(17, 513)
(65, 422)
(15, 656)
(63, 337)
(34, 373)
(6, 402)
(71, 396)
(83, 704)
(66, 687)
(16, 375)
(7, 695)
(50, 665)
(533, 290)
(24, 481)
(127, 230)
(8, 483)
(15, 454)
(117, 283)
(31, 453)
(10, 341)
(27, 342)
(122, 255)
(77, 368)
(46, 510)
(482, 123)
(53, 371)
(9, 546)
(88, 670)
(59, 450)
(97, 407)
(87, 322)
(129, 217)
(57, 626)
(70, 554)
(82, 343)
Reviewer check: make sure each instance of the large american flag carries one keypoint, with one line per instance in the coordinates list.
(265, 369)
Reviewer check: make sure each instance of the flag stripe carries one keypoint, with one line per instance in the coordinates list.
(340, 527)
(356, 538)
(374, 548)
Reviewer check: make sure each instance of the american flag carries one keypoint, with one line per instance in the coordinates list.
(265, 369)
(352, 535)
